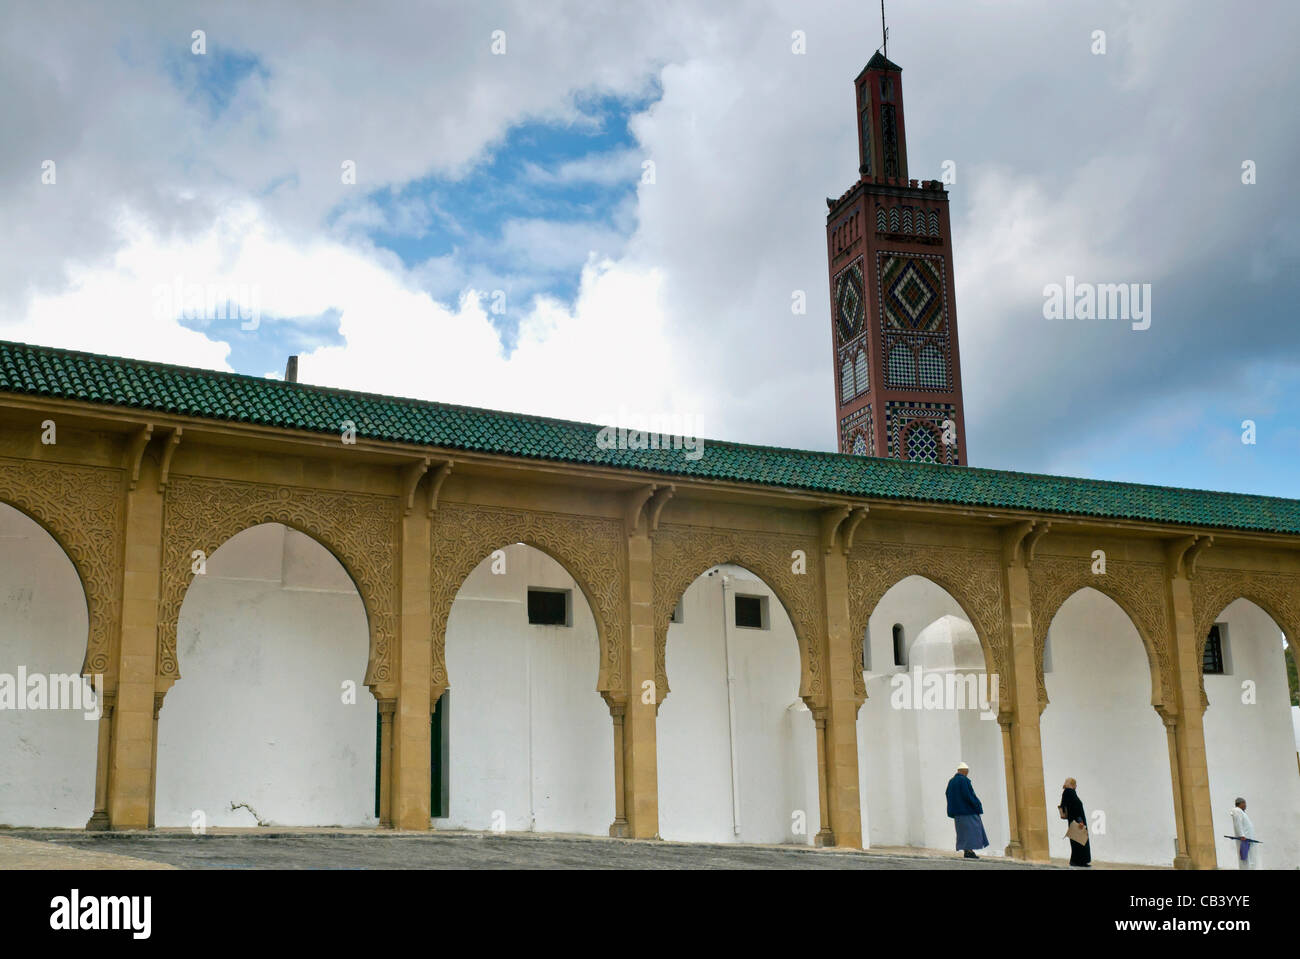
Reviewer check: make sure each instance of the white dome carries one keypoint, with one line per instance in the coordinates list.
(948, 643)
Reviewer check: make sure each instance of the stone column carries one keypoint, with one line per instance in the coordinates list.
(103, 754)
(838, 736)
(1027, 812)
(1015, 848)
(1188, 766)
(387, 708)
(640, 773)
(411, 768)
(132, 750)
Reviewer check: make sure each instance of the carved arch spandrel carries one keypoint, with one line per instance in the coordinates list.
(973, 577)
(1213, 590)
(360, 529)
(81, 507)
(684, 553)
(1139, 589)
(592, 550)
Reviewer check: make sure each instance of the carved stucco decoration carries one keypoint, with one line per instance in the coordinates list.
(1213, 590)
(1139, 589)
(973, 577)
(81, 508)
(683, 553)
(360, 529)
(592, 550)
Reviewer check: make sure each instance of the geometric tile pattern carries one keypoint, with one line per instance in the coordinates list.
(912, 293)
(902, 422)
(901, 368)
(932, 369)
(914, 321)
(856, 435)
(850, 302)
(922, 442)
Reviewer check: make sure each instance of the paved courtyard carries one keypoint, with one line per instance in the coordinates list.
(363, 849)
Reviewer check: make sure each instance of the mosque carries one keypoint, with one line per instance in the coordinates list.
(455, 618)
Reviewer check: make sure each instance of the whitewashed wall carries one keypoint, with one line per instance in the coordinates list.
(1100, 728)
(267, 637)
(1250, 747)
(47, 757)
(906, 756)
(531, 741)
(774, 737)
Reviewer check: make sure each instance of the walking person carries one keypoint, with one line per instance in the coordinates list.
(1243, 832)
(965, 809)
(1071, 810)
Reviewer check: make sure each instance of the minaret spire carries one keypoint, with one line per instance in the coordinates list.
(884, 32)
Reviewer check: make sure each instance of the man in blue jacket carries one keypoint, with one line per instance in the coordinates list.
(965, 808)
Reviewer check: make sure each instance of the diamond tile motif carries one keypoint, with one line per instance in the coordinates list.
(849, 301)
(912, 293)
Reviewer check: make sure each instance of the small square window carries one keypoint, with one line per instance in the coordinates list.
(548, 607)
(751, 612)
(1213, 661)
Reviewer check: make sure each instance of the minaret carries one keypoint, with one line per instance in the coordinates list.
(894, 322)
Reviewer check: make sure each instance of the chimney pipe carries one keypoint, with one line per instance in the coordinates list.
(291, 370)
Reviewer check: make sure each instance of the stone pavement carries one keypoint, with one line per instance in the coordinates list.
(280, 848)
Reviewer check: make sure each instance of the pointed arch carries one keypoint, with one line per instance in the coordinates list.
(359, 529)
(972, 578)
(590, 549)
(1214, 590)
(1138, 589)
(682, 554)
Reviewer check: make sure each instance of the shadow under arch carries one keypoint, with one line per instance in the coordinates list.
(975, 586)
(201, 516)
(589, 550)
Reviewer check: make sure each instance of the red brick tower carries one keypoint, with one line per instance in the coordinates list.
(893, 316)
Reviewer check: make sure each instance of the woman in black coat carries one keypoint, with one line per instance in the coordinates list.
(1080, 854)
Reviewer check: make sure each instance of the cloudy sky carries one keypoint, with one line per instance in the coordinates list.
(602, 211)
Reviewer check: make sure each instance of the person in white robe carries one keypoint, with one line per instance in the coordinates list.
(1243, 830)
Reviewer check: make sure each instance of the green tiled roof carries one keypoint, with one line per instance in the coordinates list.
(229, 397)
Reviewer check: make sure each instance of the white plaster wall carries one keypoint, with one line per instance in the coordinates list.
(1250, 748)
(266, 639)
(1100, 728)
(531, 741)
(47, 757)
(907, 756)
(774, 735)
